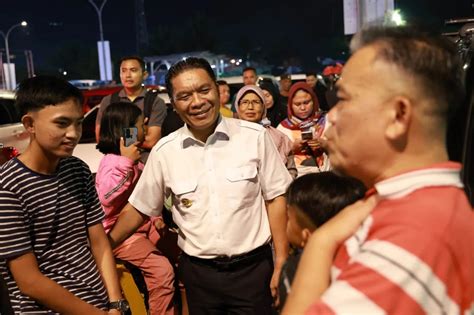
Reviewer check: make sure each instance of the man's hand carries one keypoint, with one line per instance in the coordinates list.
(274, 286)
(345, 223)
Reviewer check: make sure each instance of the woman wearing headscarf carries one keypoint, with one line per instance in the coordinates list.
(276, 113)
(250, 105)
(304, 126)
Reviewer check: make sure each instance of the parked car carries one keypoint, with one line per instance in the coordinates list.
(94, 94)
(13, 136)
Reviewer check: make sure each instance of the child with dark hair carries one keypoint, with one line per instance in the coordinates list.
(312, 200)
(54, 254)
(117, 175)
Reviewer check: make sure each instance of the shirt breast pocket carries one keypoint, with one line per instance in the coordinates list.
(184, 195)
(242, 186)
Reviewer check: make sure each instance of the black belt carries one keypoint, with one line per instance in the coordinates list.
(233, 262)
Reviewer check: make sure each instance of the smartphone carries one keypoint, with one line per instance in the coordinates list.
(307, 134)
(130, 135)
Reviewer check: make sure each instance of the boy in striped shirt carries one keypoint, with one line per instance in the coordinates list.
(54, 254)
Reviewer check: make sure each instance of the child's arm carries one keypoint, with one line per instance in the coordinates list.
(47, 292)
(114, 180)
(104, 258)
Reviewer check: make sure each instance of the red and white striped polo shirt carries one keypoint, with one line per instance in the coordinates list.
(413, 255)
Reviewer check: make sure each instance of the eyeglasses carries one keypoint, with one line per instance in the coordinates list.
(246, 103)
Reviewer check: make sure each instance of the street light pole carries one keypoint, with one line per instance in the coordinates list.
(101, 32)
(7, 49)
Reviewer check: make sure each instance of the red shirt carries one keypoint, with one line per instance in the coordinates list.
(414, 254)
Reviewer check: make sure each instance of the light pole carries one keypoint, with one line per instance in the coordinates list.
(7, 50)
(101, 31)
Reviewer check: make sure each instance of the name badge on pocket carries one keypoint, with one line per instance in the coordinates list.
(186, 202)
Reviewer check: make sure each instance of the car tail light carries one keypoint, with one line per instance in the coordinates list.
(7, 153)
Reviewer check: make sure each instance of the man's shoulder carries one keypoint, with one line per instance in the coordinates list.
(243, 124)
(73, 163)
(167, 140)
(106, 100)
(8, 173)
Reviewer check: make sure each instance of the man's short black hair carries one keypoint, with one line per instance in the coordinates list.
(38, 92)
(249, 69)
(429, 58)
(184, 65)
(133, 57)
(308, 74)
(320, 196)
(221, 82)
(116, 117)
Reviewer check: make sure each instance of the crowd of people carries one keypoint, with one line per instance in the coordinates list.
(297, 201)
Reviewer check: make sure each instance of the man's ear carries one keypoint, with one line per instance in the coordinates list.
(145, 75)
(29, 123)
(400, 118)
(305, 234)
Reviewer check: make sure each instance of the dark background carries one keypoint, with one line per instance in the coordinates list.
(62, 34)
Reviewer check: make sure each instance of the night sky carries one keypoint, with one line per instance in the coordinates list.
(63, 33)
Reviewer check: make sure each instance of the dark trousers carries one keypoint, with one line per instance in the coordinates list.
(240, 288)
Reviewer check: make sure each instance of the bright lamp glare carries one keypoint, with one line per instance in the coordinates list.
(397, 18)
(23, 23)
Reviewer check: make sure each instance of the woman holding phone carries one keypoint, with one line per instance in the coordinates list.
(304, 126)
(121, 132)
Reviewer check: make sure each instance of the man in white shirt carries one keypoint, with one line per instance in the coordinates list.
(226, 183)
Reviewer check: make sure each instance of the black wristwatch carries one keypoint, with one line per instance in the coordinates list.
(121, 305)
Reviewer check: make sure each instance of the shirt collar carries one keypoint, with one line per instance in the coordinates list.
(442, 174)
(220, 133)
(122, 93)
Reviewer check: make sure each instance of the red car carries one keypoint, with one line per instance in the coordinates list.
(93, 95)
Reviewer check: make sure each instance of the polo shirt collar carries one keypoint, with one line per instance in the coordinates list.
(440, 174)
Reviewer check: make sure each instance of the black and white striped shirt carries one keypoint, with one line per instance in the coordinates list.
(49, 215)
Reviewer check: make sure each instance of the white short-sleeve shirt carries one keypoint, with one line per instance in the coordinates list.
(218, 188)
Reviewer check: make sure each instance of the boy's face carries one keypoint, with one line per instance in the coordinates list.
(249, 77)
(297, 235)
(55, 129)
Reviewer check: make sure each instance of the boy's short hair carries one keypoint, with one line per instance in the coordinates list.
(320, 196)
(285, 76)
(249, 69)
(221, 82)
(38, 92)
(116, 116)
(133, 57)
